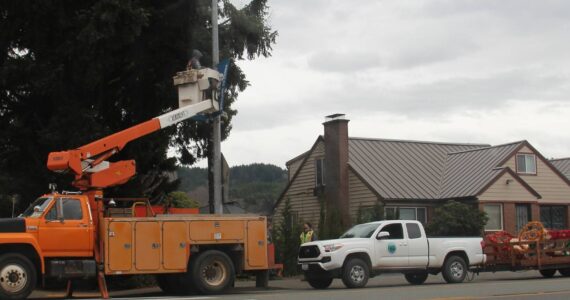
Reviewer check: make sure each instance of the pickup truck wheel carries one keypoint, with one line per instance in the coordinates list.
(416, 278)
(549, 273)
(454, 269)
(564, 272)
(320, 283)
(17, 276)
(355, 273)
(212, 272)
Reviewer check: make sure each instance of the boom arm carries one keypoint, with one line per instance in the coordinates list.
(88, 163)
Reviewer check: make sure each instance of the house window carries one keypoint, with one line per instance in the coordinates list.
(526, 163)
(406, 213)
(553, 216)
(523, 215)
(495, 214)
(320, 172)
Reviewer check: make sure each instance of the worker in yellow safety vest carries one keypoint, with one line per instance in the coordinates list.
(308, 235)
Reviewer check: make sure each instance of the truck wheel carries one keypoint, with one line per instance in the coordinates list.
(320, 283)
(564, 272)
(416, 278)
(454, 269)
(212, 272)
(548, 273)
(355, 273)
(17, 276)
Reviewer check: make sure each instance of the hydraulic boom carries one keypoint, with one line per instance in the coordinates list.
(89, 163)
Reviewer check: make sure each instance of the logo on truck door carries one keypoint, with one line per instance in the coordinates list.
(391, 248)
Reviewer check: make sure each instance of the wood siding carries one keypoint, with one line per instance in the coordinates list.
(501, 191)
(300, 192)
(547, 183)
(358, 194)
(294, 167)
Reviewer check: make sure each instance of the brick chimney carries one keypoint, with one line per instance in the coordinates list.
(336, 165)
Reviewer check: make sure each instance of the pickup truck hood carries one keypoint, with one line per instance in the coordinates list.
(351, 245)
(12, 225)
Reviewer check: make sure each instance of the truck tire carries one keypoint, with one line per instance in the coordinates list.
(416, 278)
(564, 272)
(547, 273)
(320, 283)
(17, 276)
(355, 273)
(212, 272)
(454, 269)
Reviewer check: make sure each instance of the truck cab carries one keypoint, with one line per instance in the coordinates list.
(33, 245)
(61, 224)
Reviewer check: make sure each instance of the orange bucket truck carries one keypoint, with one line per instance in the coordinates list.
(82, 235)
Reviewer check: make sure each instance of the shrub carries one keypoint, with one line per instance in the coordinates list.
(370, 214)
(457, 219)
(180, 199)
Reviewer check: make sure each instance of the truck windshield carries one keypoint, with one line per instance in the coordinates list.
(36, 209)
(361, 231)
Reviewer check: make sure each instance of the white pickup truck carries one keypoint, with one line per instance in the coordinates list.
(399, 246)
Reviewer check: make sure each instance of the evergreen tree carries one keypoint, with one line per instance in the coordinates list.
(72, 72)
(332, 227)
(287, 240)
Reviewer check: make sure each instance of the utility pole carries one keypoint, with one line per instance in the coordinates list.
(216, 124)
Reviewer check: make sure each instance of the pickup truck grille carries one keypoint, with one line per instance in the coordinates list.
(309, 252)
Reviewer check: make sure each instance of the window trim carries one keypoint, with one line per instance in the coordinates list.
(521, 172)
(502, 220)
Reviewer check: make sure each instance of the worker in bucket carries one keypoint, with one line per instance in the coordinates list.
(194, 62)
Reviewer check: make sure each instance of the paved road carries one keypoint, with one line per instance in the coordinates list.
(501, 286)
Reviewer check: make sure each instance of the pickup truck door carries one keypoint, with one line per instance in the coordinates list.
(418, 246)
(66, 230)
(392, 251)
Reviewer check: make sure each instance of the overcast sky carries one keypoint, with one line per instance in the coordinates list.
(451, 71)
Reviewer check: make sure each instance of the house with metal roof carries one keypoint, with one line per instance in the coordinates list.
(513, 183)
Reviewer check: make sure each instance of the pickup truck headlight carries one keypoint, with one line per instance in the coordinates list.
(332, 247)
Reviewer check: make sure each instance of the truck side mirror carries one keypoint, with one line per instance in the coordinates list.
(382, 235)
